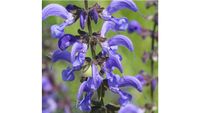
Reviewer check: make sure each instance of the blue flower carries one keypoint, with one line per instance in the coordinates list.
(83, 19)
(115, 82)
(117, 5)
(46, 84)
(89, 86)
(141, 79)
(116, 24)
(94, 15)
(153, 84)
(130, 108)
(66, 41)
(110, 48)
(134, 26)
(77, 58)
(57, 31)
(84, 105)
(68, 74)
(61, 55)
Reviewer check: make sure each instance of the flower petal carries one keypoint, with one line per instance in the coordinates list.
(77, 47)
(55, 10)
(134, 26)
(84, 105)
(82, 19)
(66, 41)
(81, 89)
(94, 15)
(96, 77)
(141, 79)
(114, 24)
(121, 40)
(153, 84)
(71, 7)
(121, 24)
(107, 25)
(114, 61)
(124, 97)
(130, 81)
(116, 5)
(61, 55)
(46, 84)
(68, 74)
(56, 31)
(79, 61)
(130, 108)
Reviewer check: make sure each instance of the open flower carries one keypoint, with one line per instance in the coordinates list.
(117, 24)
(115, 82)
(57, 31)
(89, 86)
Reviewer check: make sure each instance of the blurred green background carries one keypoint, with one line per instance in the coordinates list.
(132, 62)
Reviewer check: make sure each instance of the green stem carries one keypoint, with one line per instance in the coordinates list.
(152, 62)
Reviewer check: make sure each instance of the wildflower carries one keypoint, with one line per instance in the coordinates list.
(117, 5)
(134, 26)
(89, 86)
(57, 31)
(153, 84)
(130, 108)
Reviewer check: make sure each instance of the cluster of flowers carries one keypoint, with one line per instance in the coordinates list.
(52, 100)
(107, 60)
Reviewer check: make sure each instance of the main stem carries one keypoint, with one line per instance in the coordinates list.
(152, 62)
(92, 46)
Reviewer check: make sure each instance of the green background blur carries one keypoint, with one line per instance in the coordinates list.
(132, 62)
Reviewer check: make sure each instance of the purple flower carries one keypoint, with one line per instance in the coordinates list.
(61, 55)
(153, 84)
(84, 105)
(110, 48)
(71, 7)
(115, 82)
(46, 84)
(57, 31)
(130, 108)
(89, 86)
(114, 61)
(117, 5)
(55, 10)
(121, 40)
(134, 26)
(49, 104)
(130, 81)
(97, 79)
(68, 74)
(94, 15)
(66, 41)
(78, 48)
(83, 19)
(141, 79)
(115, 24)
